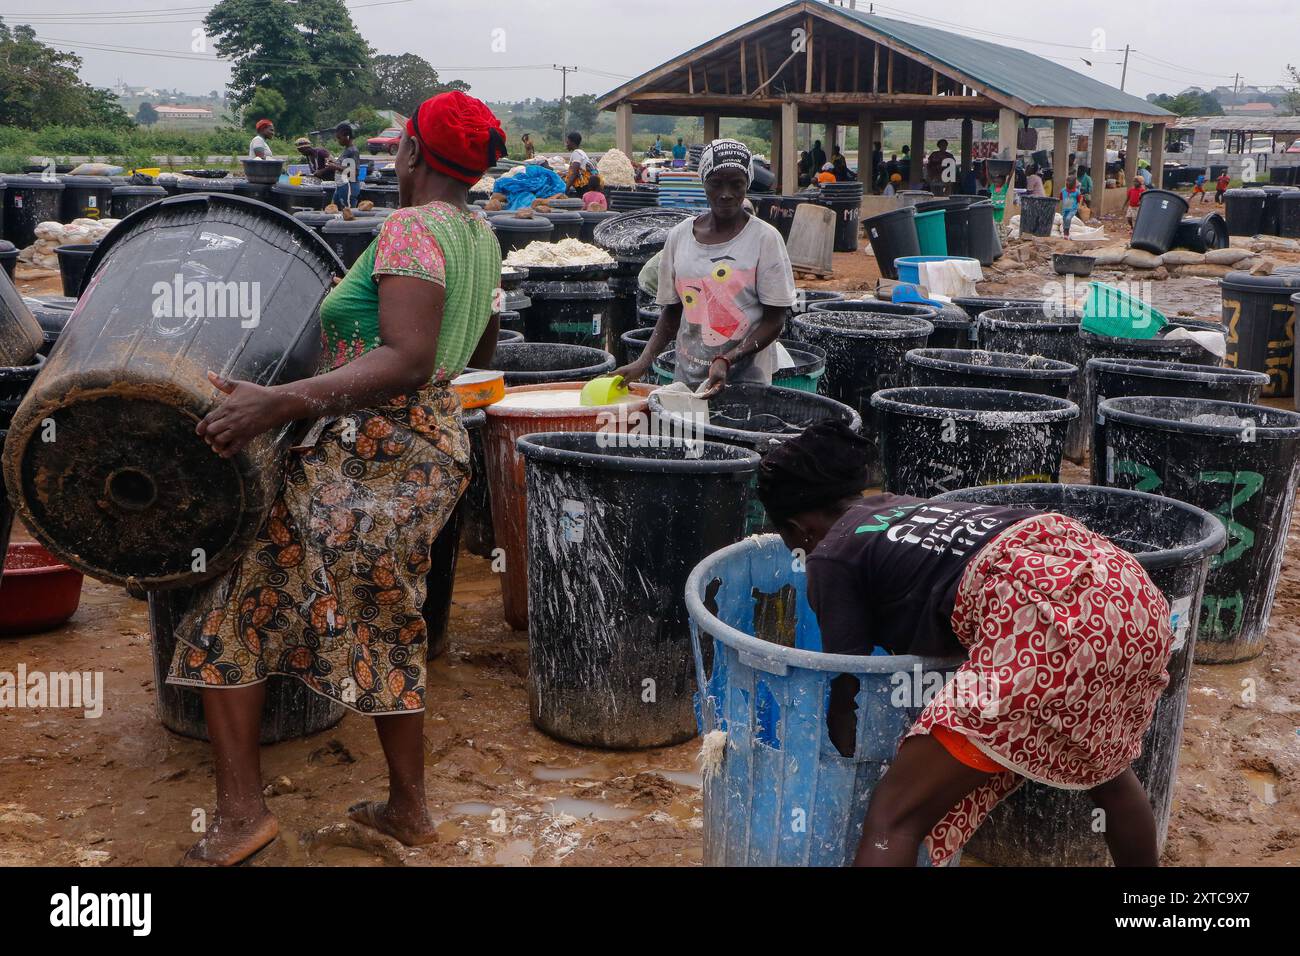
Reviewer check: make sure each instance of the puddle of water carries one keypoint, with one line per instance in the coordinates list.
(515, 853)
(472, 809)
(596, 809)
(449, 831)
(588, 772)
(680, 811)
(684, 777)
(1263, 784)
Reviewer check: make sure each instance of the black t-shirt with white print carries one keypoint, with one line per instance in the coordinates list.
(886, 575)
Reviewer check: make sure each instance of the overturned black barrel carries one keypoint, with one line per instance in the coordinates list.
(127, 199)
(15, 380)
(1239, 462)
(291, 709)
(1038, 825)
(864, 353)
(623, 525)
(976, 368)
(29, 201)
(1261, 326)
(540, 363)
(474, 506)
(72, 266)
(1045, 330)
(1202, 233)
(1159, 213)
(139, 496)
(1243, 209)
(892, 236)
(941, 439)
(21, 335)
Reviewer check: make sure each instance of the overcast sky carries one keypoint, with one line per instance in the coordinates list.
(1177, 42)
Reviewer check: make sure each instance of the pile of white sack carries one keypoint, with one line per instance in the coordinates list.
(51, 235)
(616, 169)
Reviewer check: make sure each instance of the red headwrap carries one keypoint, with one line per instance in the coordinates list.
(264, 124)
(457, 135)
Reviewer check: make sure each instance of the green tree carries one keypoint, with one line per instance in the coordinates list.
(1291, 99)
(1189, 104)
(403, 82)
(308, 51)
(267, 104)
(146, 115)
(39, 86)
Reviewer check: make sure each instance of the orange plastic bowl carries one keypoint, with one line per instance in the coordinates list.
(37, 593)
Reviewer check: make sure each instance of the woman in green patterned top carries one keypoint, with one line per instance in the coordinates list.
(331, 591)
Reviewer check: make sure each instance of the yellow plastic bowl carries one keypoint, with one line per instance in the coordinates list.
(477, 389)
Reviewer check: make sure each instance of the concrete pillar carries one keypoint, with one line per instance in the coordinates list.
(789, 153)
(1008, 122)
(1132, 144)
(832, 140)
(1060, 155)
(967, 144)
(623, 128)
(775, 157)
(1158, 155)
(1097, 168)
(712, 127)
(918, 149)
(866, 171)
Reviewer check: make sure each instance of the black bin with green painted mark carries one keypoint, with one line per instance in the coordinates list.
(1240, 463)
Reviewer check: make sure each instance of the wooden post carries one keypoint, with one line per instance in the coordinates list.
(1132, 143)
(808, 54)
(1008, 121)
(1158, 155)
(967, 143)
(777, 157)
(623, 127)
(918, 147)
(889, 73)
(712, 127)
(1097, 168)
(866, 143)
(744, 71)
(832, 134)
(789, 156)
(875, 68)
(1060, 154)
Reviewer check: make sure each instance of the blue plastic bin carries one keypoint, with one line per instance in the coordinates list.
(907, 266)
(781, 794)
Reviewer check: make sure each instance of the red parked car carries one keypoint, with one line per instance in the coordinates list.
(385, 142)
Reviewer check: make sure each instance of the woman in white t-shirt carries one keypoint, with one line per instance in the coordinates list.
(725, 284)
(582, 176)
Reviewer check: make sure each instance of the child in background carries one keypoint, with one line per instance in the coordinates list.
(1134, 200)
(1221, 187)
(895, 183)
(1070, 197)
(827, 175)
(1199, 187)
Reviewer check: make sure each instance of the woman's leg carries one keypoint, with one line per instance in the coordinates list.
(243, 824)
(1130, 826)
(922, 784)
(406, 814)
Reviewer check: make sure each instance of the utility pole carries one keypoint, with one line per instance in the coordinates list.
(1124, 73)
(564, 92)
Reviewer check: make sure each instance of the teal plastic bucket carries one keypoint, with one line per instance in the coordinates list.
(932, 233)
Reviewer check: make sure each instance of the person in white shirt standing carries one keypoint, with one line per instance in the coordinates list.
(257, 146)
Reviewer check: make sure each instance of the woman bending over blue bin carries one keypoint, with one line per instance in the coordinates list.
(1066, 641)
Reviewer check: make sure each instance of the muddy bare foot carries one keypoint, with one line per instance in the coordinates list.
(232, 842)
(411, 832)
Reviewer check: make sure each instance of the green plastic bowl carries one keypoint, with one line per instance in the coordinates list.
(1111, 311)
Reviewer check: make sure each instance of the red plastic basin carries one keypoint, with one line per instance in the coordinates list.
(37, 593)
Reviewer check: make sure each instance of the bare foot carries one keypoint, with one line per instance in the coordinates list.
(232, 842)
(409, 831)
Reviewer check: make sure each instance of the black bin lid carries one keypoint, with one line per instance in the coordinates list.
(33, 182)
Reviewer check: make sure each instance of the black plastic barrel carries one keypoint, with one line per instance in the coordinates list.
(382, 195)
(957, 225)
(984, 242)
(1159, 213)
(1260, 319)
(622, 311)
(1038, 825)
(127, 199)
(291, 710)
(591, 218)
(515, 233)
(1037, 215)
(1243, 209)
(614, 530)
(570, 311)
(509, 336)
(1269, 223)
(1239, 462)
(315, 219)
(566, 224)
(72, 266)
(262, 192)
(441, 579)
(14, 383)
(8, 257)
(1288, 214)
(349, 238)
(805, 299)
(632, 343)
(29, 200)
(845, 200)
(51, 319)
(1202, 233)
(975, 306)
(477, 535)
(290, 197)
(205, 184)
(541, 363)
(892, 236)
(779, 211)
(86, 197)
(20, 334)
(976, 368)
(864, 353)
(6, 512)
(939, 439)
(952, 327)
(140, 496)
(1041, 330)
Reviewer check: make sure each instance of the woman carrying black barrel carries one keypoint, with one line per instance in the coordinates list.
(1065, 637)
(331, 591)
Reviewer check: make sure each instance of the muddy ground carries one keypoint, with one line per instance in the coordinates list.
(120, 790)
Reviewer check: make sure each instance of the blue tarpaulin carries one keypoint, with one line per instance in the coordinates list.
(535, 182)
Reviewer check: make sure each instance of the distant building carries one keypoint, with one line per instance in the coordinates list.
(1251, 109)
(177, 113)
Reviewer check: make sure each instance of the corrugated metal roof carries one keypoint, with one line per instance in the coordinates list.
(1265, 124)
(1027, 77)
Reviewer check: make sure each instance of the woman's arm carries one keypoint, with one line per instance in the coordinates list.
(670, 320)
(760, 335)
(410, 321)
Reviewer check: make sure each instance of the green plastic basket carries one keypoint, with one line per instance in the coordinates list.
(932, 233)
(1111, 311)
